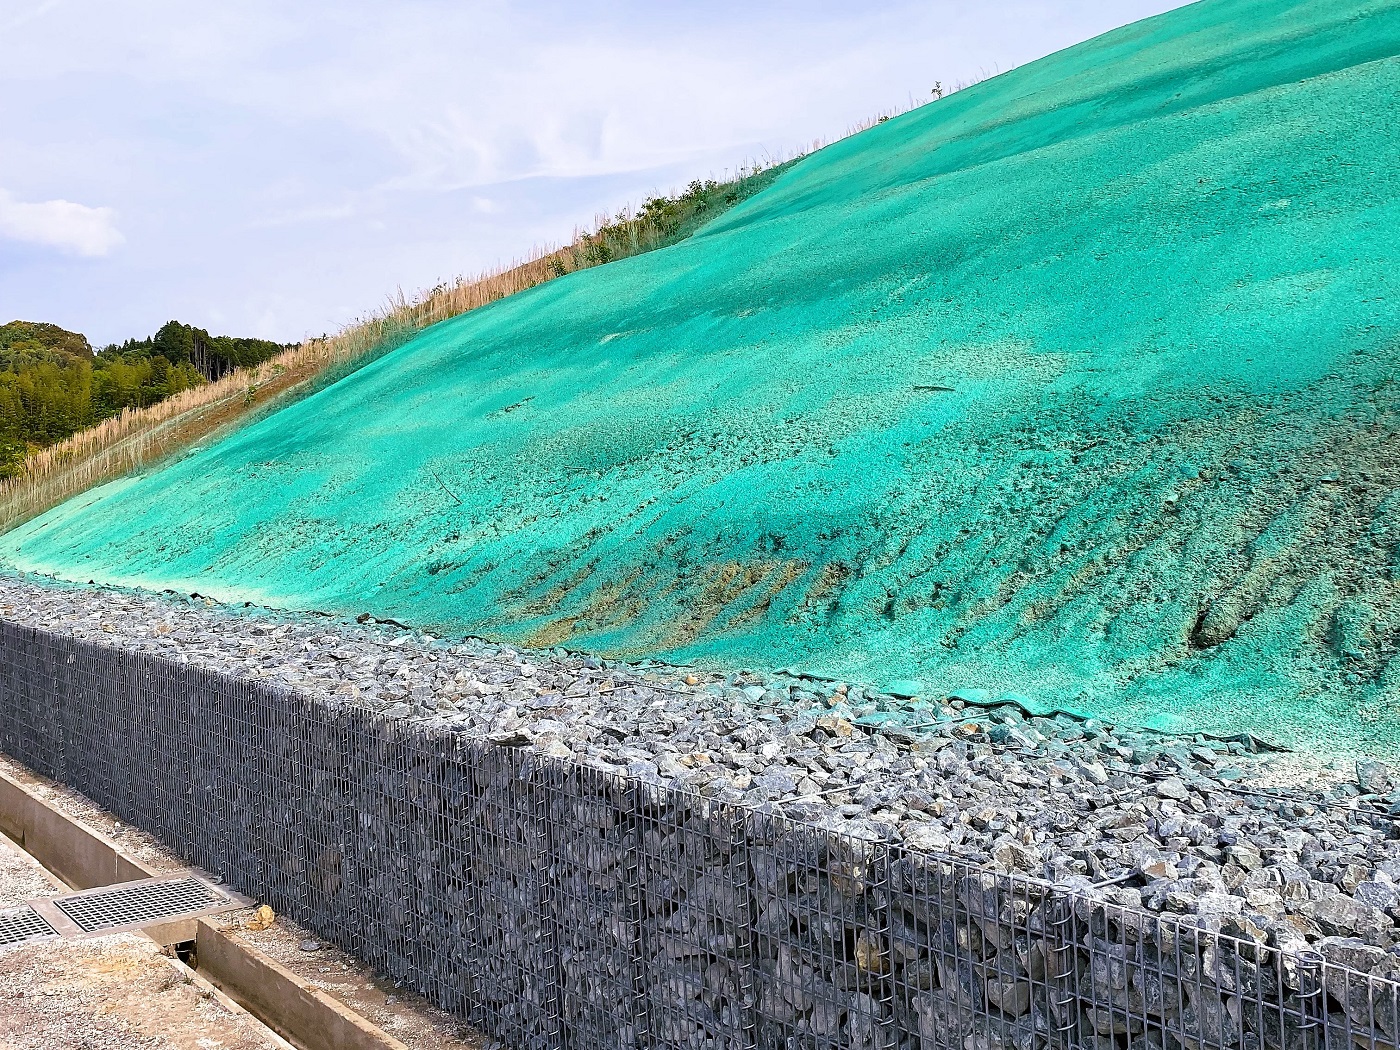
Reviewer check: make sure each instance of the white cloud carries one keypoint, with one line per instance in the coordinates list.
(462, 94)
(60, 224)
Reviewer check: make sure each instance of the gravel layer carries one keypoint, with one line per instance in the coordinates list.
(1285, 847)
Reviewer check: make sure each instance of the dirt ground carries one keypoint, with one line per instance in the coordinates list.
(402, 1015)
(21, 879)
(118, 992)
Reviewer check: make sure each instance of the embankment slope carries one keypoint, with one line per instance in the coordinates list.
(1079, 383)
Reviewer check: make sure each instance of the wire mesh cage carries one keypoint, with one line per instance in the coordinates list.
(560, 906)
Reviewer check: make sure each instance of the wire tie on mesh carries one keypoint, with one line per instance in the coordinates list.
(1310, 964)
(1117, 879)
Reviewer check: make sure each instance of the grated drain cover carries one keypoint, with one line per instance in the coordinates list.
(137, 904)
(18, 925)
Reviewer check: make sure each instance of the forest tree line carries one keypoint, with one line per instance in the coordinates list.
(52, 384)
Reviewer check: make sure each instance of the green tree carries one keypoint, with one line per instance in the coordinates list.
(53, 385)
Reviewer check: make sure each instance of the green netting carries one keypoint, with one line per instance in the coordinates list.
(1079, 384)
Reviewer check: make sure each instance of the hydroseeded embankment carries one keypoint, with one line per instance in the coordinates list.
(1079, 383)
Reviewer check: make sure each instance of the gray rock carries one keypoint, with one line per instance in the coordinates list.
(1244, 854)
(1365, 1002)
(1094, 772)
(1064, 784)
(1011, 997)
(1013, 856)
(1342, 916)
(776, 782)
(1381, 895)
(1173, 788)
(1374, 777)
(931, 838)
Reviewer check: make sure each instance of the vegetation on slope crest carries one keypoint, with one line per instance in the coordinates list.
(53, 385)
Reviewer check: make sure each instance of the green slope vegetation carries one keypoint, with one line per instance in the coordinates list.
(1079, 383)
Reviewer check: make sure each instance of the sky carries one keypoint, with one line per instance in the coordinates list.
(278, 170)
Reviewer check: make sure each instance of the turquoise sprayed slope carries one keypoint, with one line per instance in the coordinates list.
(1079, 383)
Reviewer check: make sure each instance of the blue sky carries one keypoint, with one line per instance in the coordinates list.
(278, 169)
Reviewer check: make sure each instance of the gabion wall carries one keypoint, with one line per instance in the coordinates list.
(556, 906)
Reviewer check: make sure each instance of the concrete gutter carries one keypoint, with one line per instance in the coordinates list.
(287, 1005)
(80, 857)
(281, 1000)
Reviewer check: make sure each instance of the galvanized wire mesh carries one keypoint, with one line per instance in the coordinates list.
(558, 906)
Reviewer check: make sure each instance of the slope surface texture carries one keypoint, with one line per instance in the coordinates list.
(1078, 384)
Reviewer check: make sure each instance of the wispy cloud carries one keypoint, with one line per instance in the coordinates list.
(28, 15)
(60, 224)
(300, 216)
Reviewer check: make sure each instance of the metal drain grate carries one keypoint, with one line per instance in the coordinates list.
(138, 904)
(18, 925)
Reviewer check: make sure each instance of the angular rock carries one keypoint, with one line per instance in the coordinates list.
(1343, 916)
(1374, 778)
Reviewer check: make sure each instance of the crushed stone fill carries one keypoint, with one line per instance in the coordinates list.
(1305, 839)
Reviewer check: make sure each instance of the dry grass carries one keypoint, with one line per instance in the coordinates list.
(139, 437)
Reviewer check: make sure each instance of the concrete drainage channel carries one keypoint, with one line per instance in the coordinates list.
(115, 909)
(117, 893)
